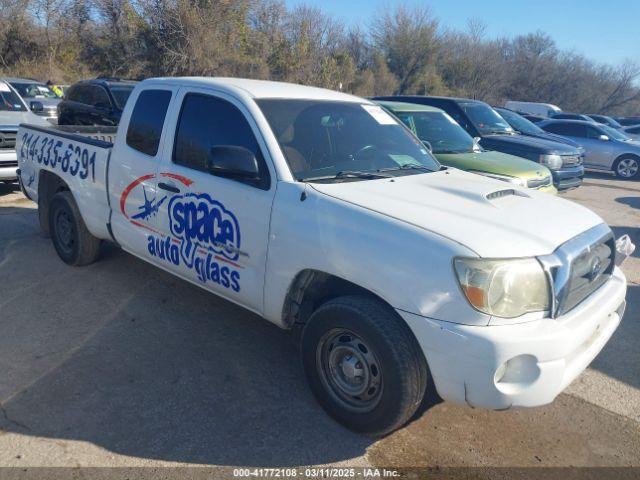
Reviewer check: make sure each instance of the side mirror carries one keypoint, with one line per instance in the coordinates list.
(233, 161)
(604, 138)
(36, 107)
(427, 145)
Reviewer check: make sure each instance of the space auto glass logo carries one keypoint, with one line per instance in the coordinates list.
(198, 221)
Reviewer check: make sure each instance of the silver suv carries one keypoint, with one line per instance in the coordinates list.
(605, 148)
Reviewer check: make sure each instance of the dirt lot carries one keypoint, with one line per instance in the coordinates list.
(121, 364)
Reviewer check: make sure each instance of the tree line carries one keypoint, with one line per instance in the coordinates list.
(404, 50)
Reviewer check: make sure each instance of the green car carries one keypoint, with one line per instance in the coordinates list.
(454, 147)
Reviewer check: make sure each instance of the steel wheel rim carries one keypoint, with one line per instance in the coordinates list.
(628, 167)
(349, 370)
(65, 230)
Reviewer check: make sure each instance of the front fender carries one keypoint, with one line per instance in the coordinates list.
(408, 267)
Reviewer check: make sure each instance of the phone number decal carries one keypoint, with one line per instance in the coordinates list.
(74, 159)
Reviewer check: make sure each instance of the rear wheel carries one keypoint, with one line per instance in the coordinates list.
(627, 167)
(69, 234)
(363, 364)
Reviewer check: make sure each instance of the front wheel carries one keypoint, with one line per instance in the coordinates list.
(71, 238)
(363, 364)
(627, 167)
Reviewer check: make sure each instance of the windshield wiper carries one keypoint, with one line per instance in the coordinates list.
(408, 166)
(347, 174)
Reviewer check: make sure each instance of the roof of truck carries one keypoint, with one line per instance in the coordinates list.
(262, 88)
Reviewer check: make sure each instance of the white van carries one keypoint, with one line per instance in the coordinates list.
(533, 108)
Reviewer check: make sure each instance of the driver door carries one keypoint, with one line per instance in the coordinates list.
(214, 230)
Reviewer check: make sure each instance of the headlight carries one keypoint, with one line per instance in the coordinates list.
(504, 288)
(504, 178)
(554, 162)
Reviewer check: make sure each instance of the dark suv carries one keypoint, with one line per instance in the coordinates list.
(480, 120)
(95, 102)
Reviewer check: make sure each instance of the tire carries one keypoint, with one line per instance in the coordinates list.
(363, 364)
(69, 234)
(627, 167)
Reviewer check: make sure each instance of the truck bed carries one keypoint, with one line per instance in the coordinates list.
(79, 156)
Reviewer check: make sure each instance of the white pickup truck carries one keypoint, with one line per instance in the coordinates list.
(323, 214)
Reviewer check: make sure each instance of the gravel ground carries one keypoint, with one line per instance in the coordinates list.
(121, 364)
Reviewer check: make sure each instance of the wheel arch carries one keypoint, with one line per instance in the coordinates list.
(622, 157)
(311, 288)
(48, 185)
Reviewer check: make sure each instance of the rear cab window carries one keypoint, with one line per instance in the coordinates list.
(147, 121)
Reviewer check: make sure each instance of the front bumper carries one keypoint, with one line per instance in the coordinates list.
(569, 177)
(8, 165)
(544, 356)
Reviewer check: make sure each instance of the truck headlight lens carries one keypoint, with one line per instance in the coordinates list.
(554, 162)
(504, 288)
(505, 178)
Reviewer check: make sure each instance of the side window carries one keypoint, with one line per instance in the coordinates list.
(593, 133)
(99, 97)
(80, 94)
(147, 120)
(206, 122)
(569, 129)
(72, 94)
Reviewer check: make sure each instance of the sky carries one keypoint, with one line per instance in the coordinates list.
(604, 31)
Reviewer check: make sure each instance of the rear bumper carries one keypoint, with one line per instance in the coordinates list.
(8, 165)
(567, 178)
(540, 358)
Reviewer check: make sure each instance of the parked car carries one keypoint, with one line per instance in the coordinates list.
(95, 102)
(605, 148)
(525, 127)
(606, 120)
(632, 131)
(322, 213)
(454, 147)
(36, 95)
(544, 110)
(13, 112)
(628, 121)
(480, 120)
(572, 116)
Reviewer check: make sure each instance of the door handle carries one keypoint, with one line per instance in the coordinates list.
(168, 187)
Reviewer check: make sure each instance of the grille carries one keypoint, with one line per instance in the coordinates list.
(7, 139)
(8, 164)
(590, 268)
(539, 182)
(571, 160)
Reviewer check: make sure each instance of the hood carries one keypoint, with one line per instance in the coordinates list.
(552, 137)
(454, 204)
(494, 162)
(16, 118)
(532, 144)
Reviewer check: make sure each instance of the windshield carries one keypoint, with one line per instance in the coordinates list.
(613, 133)
(121, 94)
(612, 122)
(33, 90)
(485, 119)
(325, 138)
(440, 130)
(9, 101)
(519, 123)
